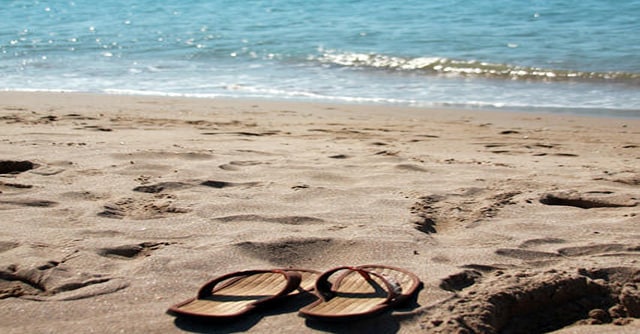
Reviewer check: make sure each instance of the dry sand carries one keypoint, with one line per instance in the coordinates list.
(112, 208)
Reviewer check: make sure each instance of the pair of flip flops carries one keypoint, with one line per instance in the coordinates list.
(343, 293)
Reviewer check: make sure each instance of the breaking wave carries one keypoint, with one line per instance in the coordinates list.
(468, 68)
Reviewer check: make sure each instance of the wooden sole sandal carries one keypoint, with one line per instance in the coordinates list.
(235, 294)
(360, 292)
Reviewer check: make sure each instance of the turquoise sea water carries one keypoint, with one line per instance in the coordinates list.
(579, 56)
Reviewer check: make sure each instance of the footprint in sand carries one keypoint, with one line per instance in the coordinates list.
(588, 200)
(141, 209)
(484, 268)
(85, 195)
(600, 249)
(54, 280)
(630, 178)
(527, 255)
(286, 220)
(467, 206)
(95, 128)
(162, 186)
(128, 252)
(79, 117)
(225, 184)
(459, 281)
(7, 204)
(15, 167)
(243, 133)
(9, 186)
(411, 168)
(292, 251)
(237, 165)
(540, 241)
(509, 132)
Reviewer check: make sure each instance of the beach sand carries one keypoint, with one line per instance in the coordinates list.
(113, 208)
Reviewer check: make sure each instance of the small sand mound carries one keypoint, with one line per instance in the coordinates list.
(525, 302)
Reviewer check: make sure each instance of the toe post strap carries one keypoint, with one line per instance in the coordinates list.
(326, 289)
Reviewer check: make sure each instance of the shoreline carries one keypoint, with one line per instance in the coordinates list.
(579, 111)
(115, 207)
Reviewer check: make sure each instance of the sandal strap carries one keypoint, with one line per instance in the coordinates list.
(325, 290)
(408, 285)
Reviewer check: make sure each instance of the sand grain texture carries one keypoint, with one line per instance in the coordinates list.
(112, 208)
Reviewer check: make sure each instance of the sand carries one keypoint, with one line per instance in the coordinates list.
(113, 208)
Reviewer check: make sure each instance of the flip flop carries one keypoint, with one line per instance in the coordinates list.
(409, 283)
(360, 292)
(235, 294)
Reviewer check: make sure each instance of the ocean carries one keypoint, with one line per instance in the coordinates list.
(570, 56)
